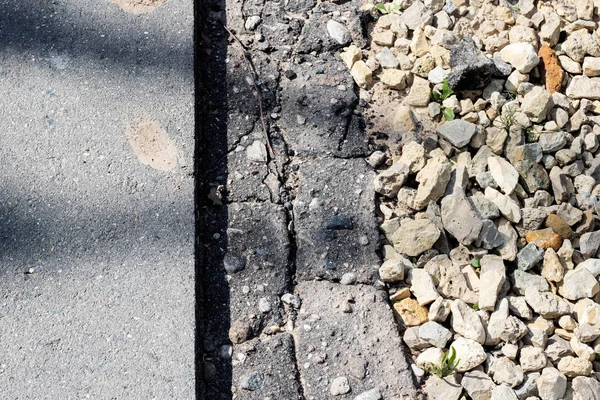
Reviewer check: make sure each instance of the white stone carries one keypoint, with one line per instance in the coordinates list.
(591, 66)
(532, 359)
(552, 384)
(338, 32)
(350, 55)
(391, 271)
(574, 366)
(252, 22)
(507, 206)
(469, 352)
(578, 284)
(505, 175)
(422, 286)
(363, 76)
(507, 373)
(583, 87)
(257, 152)
(389, 181)
(478, 385)
(493, 275)
(522, 56)
(546, 304)
(502, 392)
(466, 322)
(433, 179)
(430, 357)
(579, 44)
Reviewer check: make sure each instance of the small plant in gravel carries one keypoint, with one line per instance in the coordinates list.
(507, 118)
(438, 97)
(387, 8)
(447, 366)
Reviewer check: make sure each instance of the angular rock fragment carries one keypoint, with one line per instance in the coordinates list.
(466, 322)
(458, 132)
(415, 236)
(432, 179)
(460, 219)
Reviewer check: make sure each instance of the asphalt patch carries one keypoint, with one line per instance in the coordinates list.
(152, 145)
(138, 6)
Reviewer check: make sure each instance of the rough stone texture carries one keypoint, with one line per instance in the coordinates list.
(415, 236)
(458, 132)
(368, 333)
(583, 87)
(551, 70)
(332, 190)
(469, 352)
(459, 218)
(324, 127)
(276, 378)
(471, 69)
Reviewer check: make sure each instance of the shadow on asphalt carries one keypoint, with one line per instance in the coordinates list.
(38, 28)
(214, 373)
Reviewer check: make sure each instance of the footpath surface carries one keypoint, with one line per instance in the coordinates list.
(96, 200)
(289, 258)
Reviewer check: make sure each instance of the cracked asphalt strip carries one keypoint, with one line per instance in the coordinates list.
(289, 242)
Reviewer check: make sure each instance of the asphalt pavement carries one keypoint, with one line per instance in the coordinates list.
(96, 200)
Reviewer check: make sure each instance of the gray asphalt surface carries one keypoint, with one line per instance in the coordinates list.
(96, 247)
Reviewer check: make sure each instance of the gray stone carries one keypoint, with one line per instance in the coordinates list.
(502, 392)
(369, 330)
(528, 388)
(252, 381)
(471, 69)
(435, 334)
(589, 243)
(416, 16)
(484, 207)
(562, 185)
(372, 394)
(552, 142)
(537, 103)
(387, 59)
(522, 280)
(529, 257)
(460, 219)
(458, 132)
(489, 237)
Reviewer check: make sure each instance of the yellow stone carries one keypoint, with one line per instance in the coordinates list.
(411, 312)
